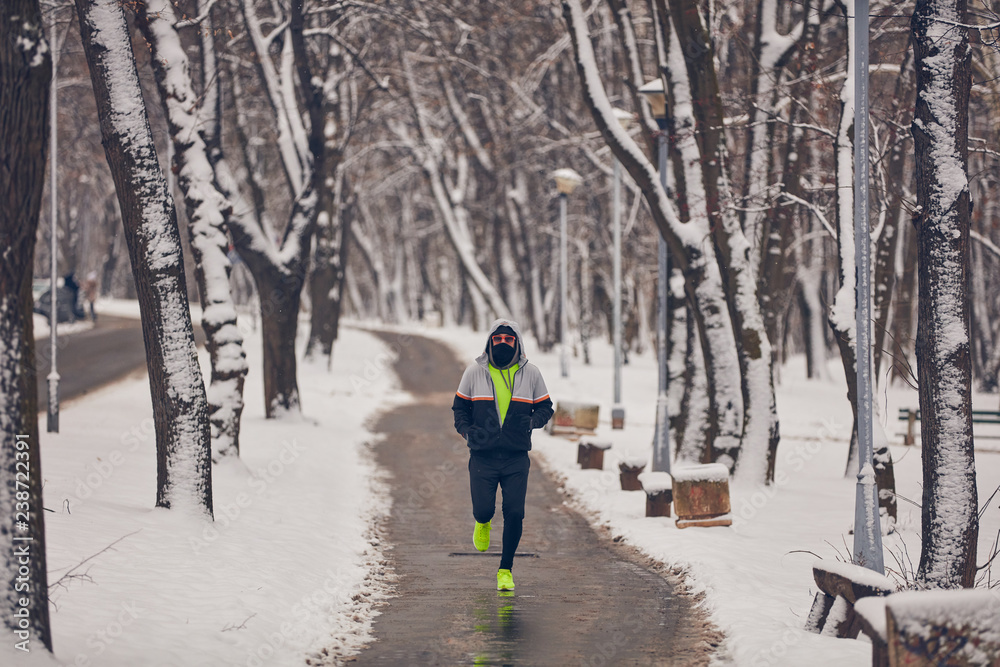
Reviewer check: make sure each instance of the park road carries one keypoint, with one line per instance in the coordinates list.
(580, 599)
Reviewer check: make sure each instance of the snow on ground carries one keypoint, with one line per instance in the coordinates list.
(40, 324)
(291, 564)
(756, 576)
(120, 307)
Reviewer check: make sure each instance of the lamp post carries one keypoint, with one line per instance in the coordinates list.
(567, 180)
(52, 421)
(867, 529)
(654, 94)
(618, 410)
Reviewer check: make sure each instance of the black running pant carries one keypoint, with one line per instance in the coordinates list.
(512, 476)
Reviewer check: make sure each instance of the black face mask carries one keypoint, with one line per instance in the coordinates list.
(502, 355)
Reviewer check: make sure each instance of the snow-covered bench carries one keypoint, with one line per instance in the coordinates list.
(573, 420)
(924, 628)
(980, 418)
(841, 585)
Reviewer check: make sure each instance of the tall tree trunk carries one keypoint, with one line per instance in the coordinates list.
(206, 207)
(25, 75)
(949, 512)
(693, 444)
(326, 282)
(760, 432)
(842, 313)
(686, 242)
(905, 305)
(886, 250)
(180, 407)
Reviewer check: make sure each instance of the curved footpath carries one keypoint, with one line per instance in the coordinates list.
(92, 358)
(580, 598)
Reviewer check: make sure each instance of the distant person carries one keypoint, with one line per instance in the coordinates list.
(500, 399)
(90, 293)
(73, 292)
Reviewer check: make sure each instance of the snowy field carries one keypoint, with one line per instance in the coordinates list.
(756, 576)
(289, 567)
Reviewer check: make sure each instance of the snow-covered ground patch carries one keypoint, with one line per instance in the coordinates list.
(756, 576)
(117, 307)
(40, 324)
(292, 564)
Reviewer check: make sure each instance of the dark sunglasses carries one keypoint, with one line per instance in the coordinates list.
(501, 339)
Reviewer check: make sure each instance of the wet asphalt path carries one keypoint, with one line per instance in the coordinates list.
(580, 599)
(87, 360)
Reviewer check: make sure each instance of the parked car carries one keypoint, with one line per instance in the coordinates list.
(67, 302)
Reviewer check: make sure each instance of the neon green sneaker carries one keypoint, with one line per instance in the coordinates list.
(505, 580)
(481, 536)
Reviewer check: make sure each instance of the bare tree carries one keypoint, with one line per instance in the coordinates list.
(25, 73)
(180, 407)
(949, 512)
(206, 209)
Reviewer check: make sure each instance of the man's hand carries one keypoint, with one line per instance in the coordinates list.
(476, 437)
(521, 422)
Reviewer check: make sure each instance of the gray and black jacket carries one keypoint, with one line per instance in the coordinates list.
(477, 417)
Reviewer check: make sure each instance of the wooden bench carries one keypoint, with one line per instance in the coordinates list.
(572, 420)
(911, 417)
(931, 628)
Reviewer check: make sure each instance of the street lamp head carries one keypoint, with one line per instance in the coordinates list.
(567, 180)
(623, 117)
(654, 94)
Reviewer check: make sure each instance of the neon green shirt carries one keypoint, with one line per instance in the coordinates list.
(503, 386)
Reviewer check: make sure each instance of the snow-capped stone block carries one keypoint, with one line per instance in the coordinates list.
(574, 419)
(617, 417)
(841, 621)
(701, 495)
(629, 468)
(847, 584)
(590, 455)
(951, 627)
(822, 603)
(870, 613)
(656, 482)
(851, 581)
(632, 461)
(659, 492)
(708, 472)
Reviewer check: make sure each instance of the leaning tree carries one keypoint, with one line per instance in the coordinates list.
(25, 73)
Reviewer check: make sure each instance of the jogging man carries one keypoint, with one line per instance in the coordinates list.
(500, 399)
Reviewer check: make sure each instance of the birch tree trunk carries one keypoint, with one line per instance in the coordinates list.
(25, 75)
(180, 406)
(206, 207)
(949, 512)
